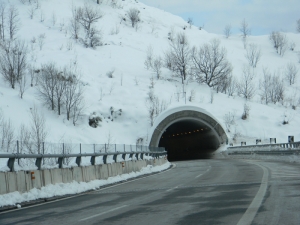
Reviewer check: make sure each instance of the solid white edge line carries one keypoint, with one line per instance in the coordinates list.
(76, 195)
(250, 213)
(100, 214)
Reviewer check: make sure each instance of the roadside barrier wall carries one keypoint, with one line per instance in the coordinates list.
(23, 181)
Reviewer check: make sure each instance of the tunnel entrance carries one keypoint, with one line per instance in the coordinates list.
(187, 133)
(188, 139)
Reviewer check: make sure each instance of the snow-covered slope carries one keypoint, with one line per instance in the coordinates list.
(124, 51)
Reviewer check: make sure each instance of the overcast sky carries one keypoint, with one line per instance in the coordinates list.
(263, 16)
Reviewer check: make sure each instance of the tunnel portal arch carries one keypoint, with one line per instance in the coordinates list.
(188, 116)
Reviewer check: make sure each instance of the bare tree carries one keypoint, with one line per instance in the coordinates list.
(279, 42)
(13, 21)
(265, 86)
(74, 24)
(190, 22)
(47, 84)
(245, 86)
(133, 15)
(38, 130)
(231, 85)
(179, 56)
(149, 57)
(246, 31)
(73, 98)
(210, 65)
(157, 65)
(253, 54)
(7, 135)
(41, 40)
(154, 106)
(2, 20)
(227, 31)
(291, 73)
(88, 15)
(298, 26)
(13, 61)
(229, 120)
(22, 85)
(31, 12)
(272, 88)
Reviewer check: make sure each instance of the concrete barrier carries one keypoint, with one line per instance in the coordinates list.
(56, 176)
(47, 177)
(67, 175)
(37, 181)
(104, 171)
(77, 174)
(3, 189)
(23, 181)
(11, 178)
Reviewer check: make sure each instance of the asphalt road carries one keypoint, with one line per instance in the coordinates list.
(211, 191)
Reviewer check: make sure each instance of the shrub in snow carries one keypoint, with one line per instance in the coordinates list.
(94, 120)
(245, 114)
(229, 119)
(279, 42)
(110, 73)
(134, 16)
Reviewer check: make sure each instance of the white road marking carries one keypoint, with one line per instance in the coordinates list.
(100, 214)
(171, 189)
(203, 173)
(250, 213)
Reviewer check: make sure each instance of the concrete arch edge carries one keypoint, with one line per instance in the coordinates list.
(177, 114)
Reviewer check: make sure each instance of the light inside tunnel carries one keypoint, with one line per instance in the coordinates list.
(189, 139)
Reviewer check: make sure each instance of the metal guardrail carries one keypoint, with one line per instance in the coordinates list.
(153, 152)
(266, 149)
(292, 145)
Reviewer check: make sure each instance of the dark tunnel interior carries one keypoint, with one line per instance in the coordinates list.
(188, 140)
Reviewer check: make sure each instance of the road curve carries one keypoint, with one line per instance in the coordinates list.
(223, 191)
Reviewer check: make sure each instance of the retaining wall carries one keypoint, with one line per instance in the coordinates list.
(23, 181)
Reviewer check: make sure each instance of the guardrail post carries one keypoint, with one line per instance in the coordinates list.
(78, 160)
(131, 155)
(105, 159)
(123, 156)
(80, 148)
(38, 163)
(142, 155)
(60, 162)
(115, 157)
(10, 164)
(137, 156)
(93, 159)
(18, 152)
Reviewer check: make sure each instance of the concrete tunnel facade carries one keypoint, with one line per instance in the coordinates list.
(187, 132)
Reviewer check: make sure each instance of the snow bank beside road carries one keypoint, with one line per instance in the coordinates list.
(73, 188)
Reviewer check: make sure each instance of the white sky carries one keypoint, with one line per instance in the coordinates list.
(262, 16)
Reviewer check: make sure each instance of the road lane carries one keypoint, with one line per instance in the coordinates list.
(221, 195)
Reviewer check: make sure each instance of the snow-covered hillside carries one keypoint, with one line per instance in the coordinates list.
(123, 53)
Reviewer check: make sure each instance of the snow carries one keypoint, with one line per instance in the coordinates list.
(125, 52)
(61, 189)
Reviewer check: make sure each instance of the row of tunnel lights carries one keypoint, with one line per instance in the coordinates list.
(185, 133)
